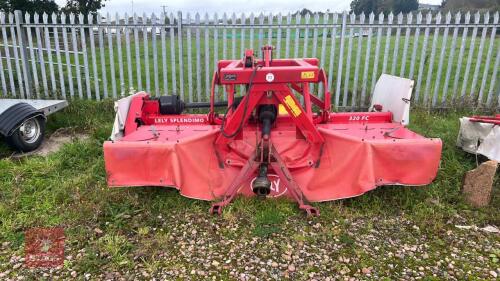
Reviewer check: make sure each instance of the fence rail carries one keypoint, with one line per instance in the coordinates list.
(454, 58)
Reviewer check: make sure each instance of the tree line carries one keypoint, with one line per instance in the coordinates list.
(406, 6)
(383, 6)
(357, 6)
(50, 6)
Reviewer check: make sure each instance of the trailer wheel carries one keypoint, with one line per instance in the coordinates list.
(29, 135)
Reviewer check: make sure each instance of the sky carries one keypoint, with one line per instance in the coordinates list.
(221, 6)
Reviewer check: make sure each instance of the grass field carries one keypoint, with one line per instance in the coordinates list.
(396, 232)
(390, 61)
(199, 88)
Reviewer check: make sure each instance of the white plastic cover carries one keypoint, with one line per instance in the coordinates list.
(121, 109)
(481, 138)
(393, 94)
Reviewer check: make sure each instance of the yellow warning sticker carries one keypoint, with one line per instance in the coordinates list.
(307, 75)
(294, 108)
(282, 110)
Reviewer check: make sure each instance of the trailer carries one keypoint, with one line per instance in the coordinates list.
(22, 121)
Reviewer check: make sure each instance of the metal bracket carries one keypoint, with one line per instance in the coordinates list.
(279, 168)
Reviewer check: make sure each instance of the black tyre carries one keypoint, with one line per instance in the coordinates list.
(29, 136)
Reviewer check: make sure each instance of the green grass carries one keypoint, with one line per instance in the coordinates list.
(345, 97)
(68, 189)
(200, 85)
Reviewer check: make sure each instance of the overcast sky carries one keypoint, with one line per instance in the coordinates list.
(220, 6)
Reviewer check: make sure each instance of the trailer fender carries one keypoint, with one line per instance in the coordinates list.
(14, 116)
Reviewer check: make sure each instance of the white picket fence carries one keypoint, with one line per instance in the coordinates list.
(454, 59)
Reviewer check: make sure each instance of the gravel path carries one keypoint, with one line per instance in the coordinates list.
(189, 247)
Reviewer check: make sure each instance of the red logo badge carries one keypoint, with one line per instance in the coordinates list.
(44, 247)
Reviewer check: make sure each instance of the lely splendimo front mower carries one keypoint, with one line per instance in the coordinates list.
(268, 142)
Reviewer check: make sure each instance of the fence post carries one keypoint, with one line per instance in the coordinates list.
(341, 58)
(22, 41)
(181, 56)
